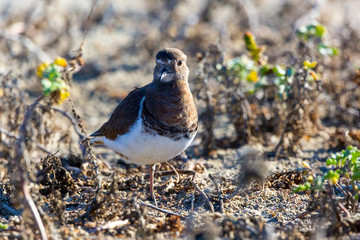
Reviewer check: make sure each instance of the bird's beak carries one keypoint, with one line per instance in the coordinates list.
(163, 74)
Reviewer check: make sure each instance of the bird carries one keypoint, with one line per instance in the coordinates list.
(156, 122)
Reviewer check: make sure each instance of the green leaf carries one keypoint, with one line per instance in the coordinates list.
(3, 226)
(320, 30)
(355, 176)
(307, 185)
(326, 50)
(264, 70)
(330, 161)
(300, 188)
(279, 70)
(46, 85)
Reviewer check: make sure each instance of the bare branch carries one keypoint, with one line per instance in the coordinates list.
(11, 135)
(68, 116)
(203, 195)
(28, 44)
(22, 160)
(161, 210)
(221, 201)
(170, 173)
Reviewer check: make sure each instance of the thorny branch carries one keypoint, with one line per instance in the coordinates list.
(87, 152)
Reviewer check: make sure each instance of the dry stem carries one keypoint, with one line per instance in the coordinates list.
(21, 161)
(211, 206)
(162, 210)
(221, 202)
(11, 135)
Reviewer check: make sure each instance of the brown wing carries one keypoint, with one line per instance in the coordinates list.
(123, 117)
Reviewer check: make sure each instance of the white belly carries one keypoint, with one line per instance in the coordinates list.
(141, 147)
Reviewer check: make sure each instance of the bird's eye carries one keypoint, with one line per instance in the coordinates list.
(179, 63)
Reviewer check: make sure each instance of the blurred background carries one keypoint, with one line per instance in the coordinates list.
(124, 37)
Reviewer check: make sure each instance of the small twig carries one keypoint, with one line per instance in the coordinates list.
(170, 173)
(176, 172)
(68, 116)
(34, 211)
(110, 225)
(11, 135)
(238, 189)
(221, 202)
(279, 145)
(285, 130)
(87, 24)
(303, 214)
(192, 202)
(338, 185)
(10, 230)
(22, 160)
(344, 209)
(87, 151)
(211, 206)
(162, 210)
(28, 44)
(10, 209)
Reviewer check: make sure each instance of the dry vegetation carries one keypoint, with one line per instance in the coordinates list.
(275, 101)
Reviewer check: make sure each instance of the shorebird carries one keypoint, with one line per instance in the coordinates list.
(157, 122)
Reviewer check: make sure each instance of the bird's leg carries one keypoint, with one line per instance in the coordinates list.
(152, 173)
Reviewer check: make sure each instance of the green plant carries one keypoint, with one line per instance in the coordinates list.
(257, 72)
(52, 81)
(316, 31)
(344, 164)
(3, 226)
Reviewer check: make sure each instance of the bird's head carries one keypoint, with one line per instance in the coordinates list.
(170, 66)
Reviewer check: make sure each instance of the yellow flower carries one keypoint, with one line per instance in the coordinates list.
(60, 62)
(252, 77)
(64, 94)
(41, 68)
(334, 180)
(309, 65)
